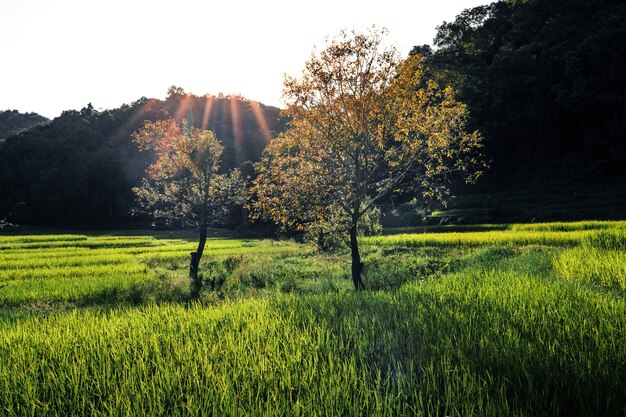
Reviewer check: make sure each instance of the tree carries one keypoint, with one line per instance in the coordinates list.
(365, 125)
(183, 186)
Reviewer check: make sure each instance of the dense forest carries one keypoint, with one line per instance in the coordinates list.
(545, 84)
(543, 81)
(80, 168)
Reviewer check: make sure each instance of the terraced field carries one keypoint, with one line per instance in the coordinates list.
(80, 270)
(527, 320)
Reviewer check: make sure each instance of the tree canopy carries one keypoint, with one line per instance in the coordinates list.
(365, 125)
(542, 80)
(13, 122)
(183, 186)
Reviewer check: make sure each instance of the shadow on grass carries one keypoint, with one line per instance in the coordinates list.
(447, 353)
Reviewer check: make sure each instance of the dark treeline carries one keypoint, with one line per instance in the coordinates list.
(13, 122)
(80, 168)
(545, 81)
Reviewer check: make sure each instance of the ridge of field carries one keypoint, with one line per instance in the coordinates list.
(529, 320)
(84, 270)
(547, 202)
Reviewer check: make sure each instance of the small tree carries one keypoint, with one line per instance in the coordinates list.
(365, 125)
(183, 186)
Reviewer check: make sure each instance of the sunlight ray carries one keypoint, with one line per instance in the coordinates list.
(261, 120)
(185, 109)
(235, 111)
(206, 115)
(135, 120)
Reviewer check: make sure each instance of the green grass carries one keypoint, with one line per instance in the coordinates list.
(87, 270)
(601, 268)
(525, 321)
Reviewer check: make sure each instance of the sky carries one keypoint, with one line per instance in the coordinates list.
(59, 55)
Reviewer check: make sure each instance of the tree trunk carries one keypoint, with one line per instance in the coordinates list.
(357, 266)
(196, 280)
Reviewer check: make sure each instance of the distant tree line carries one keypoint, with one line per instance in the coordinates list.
(80, 168)
(13, 122)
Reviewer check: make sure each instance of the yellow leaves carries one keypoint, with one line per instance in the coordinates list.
(179, 150)
(183, 182)
(363, 122)
(157, 135)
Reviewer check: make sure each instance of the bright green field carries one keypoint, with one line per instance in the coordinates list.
(514, 320)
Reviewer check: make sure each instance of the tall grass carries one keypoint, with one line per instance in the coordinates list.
(521, 322)
(569, 226)
(41, 271)
(599, 261)
(468, 344)
(605, 269)
(469, 239)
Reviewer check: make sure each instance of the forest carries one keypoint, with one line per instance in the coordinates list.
(79, 169)
(543, 82)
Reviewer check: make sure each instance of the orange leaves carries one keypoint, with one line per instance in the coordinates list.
(191, 150)
(183, 182)
(364, 126)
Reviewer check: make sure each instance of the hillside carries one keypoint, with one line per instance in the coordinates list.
(13, 122)
(542, 80)
(80, 168)
(544, 83)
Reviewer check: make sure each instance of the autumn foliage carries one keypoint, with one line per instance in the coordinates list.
(365, 125)
(183, 185)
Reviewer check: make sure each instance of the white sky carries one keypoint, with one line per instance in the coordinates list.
(62, 54)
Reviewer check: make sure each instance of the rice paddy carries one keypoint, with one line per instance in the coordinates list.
(529, 320)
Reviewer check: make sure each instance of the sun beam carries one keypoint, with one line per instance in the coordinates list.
(235, 112)
(184, 106)
(135, 120)
(261, 121)
(206, 115)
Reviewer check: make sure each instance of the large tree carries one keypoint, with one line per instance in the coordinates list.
(365, 125)
(183, 186)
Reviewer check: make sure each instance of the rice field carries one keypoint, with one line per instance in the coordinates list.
(81, 270)
(529, 320)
